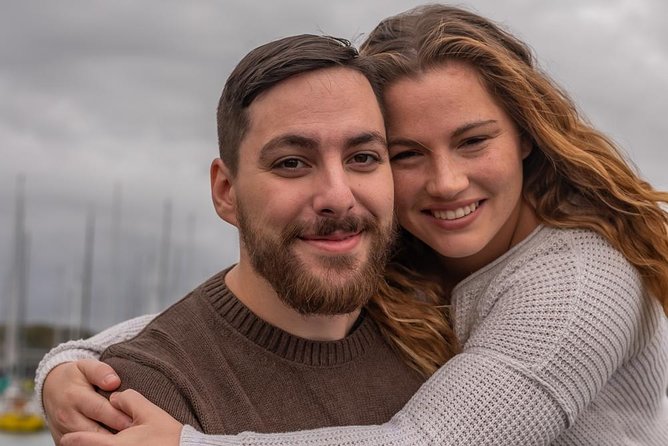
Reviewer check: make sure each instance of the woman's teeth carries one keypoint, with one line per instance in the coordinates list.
(456, 213)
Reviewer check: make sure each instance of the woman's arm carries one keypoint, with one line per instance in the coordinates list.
(90, 348)
(549, 332)
(471, 400)
(546, 339)
(66, 375)
(151, 425)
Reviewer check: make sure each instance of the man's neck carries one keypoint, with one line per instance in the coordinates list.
(258, 295)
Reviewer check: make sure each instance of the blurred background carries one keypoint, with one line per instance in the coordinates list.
(107, 129)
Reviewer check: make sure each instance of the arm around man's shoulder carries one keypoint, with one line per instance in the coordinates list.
(156, 383)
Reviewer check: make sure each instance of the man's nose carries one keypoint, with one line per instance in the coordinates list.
(333, 195)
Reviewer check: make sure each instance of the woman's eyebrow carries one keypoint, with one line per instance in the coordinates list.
(471, 125)
(456, 133)
(407, 142)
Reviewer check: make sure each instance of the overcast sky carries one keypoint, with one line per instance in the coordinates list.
(120, 95)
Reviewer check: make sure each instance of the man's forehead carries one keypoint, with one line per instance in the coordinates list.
(320, 80)
(333, 106)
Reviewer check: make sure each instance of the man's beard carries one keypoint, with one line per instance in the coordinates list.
(322, 294)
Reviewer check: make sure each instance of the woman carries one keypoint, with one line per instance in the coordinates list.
(554, 254)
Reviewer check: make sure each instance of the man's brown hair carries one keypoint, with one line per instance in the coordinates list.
(266, 66)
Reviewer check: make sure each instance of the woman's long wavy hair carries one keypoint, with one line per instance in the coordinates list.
(575, 177)
(411, 314)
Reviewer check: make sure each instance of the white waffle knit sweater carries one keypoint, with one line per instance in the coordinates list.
(561, 345)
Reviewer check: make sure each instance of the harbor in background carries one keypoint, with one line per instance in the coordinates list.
(36, 439)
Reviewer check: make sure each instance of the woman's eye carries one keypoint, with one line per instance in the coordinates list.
(474, 141)
(406, 154)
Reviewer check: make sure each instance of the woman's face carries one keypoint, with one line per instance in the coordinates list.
(457, 164)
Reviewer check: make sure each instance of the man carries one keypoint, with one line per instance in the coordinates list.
(280, 341)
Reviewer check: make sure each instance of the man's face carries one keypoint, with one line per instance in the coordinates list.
(313, 191)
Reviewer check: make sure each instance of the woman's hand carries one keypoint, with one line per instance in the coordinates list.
(151, 426)
(72, 404)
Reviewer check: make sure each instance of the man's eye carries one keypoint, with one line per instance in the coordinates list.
(364, 158)
(289, 163)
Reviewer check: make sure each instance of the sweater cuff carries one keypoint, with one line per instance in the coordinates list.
(90, 348)
(50, 361)
(192, 437)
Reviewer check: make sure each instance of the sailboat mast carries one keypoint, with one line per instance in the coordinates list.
(18, 284)
(87, 276)
(116, 288)
(164, 255)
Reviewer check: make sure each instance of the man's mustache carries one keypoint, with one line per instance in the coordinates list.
(325, 226)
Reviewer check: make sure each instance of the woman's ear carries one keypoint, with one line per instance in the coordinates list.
(526, 145)
(223, 192)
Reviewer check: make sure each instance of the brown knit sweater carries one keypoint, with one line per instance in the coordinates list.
(211, 363)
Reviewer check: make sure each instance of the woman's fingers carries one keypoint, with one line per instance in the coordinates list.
(136, 406)
(87, 439)
(96, 407)
(72, 404)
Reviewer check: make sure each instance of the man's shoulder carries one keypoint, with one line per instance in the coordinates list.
(173, 333)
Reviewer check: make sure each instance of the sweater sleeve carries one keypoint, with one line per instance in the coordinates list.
(471, 400)
(90, 348)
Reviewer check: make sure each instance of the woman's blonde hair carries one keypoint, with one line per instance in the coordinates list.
(575, 176)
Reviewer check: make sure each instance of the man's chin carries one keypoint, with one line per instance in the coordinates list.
(328, 291)
(343, 306)
(330, 266)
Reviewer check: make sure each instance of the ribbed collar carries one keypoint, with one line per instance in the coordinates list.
(282, 343)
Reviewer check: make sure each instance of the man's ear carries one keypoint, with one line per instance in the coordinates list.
(223, 192)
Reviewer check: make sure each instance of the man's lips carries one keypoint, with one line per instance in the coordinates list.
(337, 242)
(335, 236)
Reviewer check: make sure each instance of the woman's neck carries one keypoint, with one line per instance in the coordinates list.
(521, 224)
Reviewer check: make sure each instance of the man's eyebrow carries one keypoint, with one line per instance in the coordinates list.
(305, 142)
(365, 138)
(288, 140)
